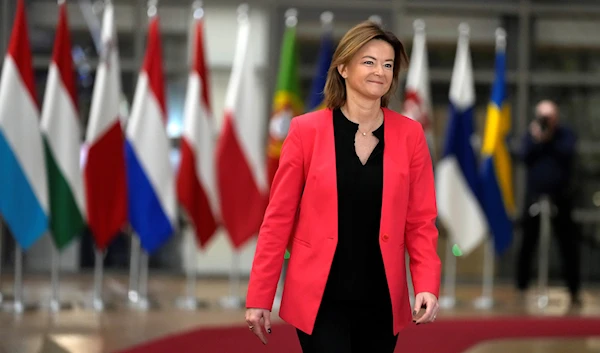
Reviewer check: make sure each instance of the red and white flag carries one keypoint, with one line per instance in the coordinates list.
(417, 101)
(104, 169)
(241, 174)
(196, 186)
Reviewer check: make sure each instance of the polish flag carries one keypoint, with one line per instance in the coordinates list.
(150, 177)
(196, 186)
(241, 173)
(104, 165)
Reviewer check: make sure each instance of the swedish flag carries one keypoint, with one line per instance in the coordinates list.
(496, 169)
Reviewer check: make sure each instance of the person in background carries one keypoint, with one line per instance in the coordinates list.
(548, 152)
(353, 190)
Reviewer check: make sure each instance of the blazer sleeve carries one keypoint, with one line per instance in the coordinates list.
(278, 222)
(421, 232)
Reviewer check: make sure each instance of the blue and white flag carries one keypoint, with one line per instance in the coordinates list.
(457, 181)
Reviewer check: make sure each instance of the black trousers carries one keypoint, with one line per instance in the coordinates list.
(351, 327)
(565, 232)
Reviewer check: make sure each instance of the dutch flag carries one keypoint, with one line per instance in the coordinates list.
(150, 177)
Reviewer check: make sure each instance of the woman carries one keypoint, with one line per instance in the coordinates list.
(354, 190)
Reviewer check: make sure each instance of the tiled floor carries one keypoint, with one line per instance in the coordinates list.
(81, 330)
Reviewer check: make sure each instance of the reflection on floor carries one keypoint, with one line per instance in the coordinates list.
(81, 330)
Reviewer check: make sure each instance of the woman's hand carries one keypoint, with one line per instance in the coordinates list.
(257, 319)
(430, 303)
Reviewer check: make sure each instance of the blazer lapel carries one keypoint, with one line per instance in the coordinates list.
(390, 172)
(326, 171)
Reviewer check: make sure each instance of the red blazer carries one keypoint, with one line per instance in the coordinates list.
(302, 216)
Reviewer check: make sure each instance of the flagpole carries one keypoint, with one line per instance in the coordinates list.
(486, 300)
(55, 303)
(190, 301)
(134, 267)
(1, 250)
(18, 305)
(234, 300)
(448, 300)
(545, 211)
(97, 302)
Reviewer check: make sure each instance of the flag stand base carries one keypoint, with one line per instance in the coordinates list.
(484, 303)
(447, 302)
(232, 302)
(191, 303)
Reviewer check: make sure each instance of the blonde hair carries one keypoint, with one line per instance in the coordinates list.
(350, 44)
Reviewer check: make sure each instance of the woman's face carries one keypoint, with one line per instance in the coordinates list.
(370, 72)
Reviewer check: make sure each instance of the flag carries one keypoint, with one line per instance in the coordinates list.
(286, 103)
(241, 175)
(458, 184)
(23, 182)
(496, 168)
(61, 131)
(150, 178)
(196, 187)
(104, 165)
(316, 97)
(417, 100)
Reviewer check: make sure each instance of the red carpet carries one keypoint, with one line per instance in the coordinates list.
(445, 336)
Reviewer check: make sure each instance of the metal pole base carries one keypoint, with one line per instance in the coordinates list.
(99, 305)
(484, 303)
(144, 304)
(19, 307)
(6, 298)
(191, 303)
(232, 302)
(447, 302)
(57, 305)
(542, 301)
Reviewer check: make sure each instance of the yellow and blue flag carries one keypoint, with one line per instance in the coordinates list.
(496, 169)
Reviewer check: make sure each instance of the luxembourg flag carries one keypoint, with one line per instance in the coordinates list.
(150, 178)
(23, 183)
(241, 174)
(196, 186)
(457, 180)
(104, 164)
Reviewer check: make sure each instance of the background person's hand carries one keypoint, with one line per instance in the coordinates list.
(257, 319)
(430, 303)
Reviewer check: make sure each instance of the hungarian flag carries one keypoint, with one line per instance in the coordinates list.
(23, 182)
(286, 103)
(60, 126)
(241, 175)
(196, 186)
(104, 165)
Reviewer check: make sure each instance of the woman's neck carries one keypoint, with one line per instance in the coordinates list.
(362, 111)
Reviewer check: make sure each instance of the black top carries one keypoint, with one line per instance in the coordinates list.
(357, 272)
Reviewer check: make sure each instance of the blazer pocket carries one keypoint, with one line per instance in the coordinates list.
(302, 242)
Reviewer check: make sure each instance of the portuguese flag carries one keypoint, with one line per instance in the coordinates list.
(286, 102)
